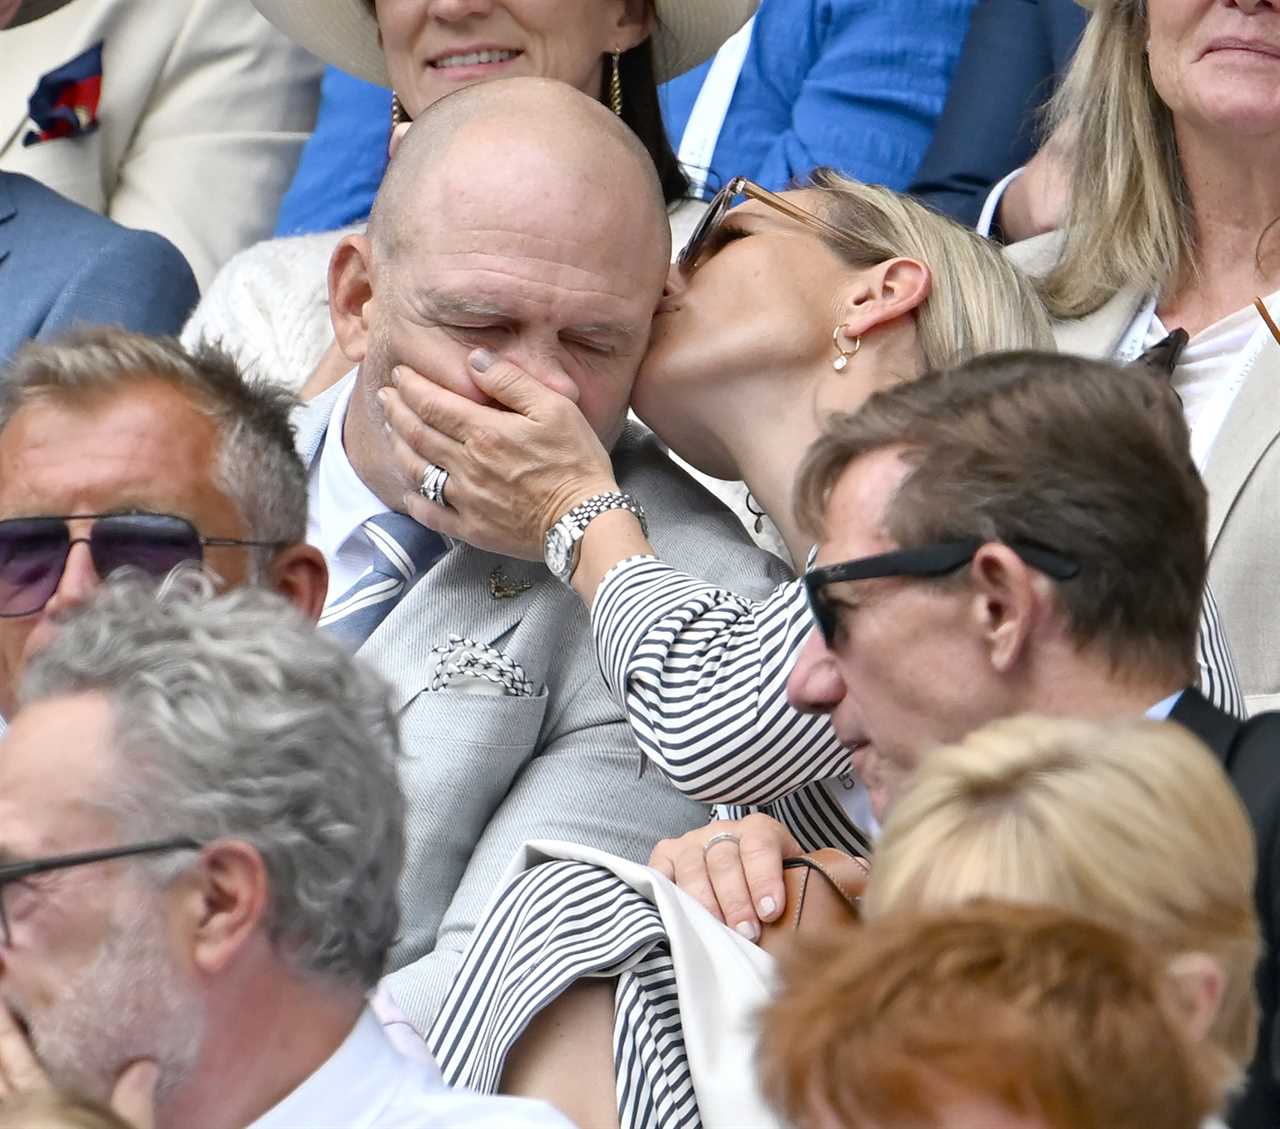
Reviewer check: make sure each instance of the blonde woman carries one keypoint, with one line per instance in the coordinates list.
(1173, 111)
(1133, 824)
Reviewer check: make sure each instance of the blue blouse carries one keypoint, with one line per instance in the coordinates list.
(854, 84)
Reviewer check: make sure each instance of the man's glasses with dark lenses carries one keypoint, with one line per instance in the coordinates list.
(722, 203)
(925, 561)
(15, 873)
(34, 551)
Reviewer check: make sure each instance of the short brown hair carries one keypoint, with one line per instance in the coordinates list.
(1029, 1007)
(259, 467)
(1086, 457)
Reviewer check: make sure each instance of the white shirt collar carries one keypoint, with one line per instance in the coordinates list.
(1163, 708)
(363, 1078)
(343, 503)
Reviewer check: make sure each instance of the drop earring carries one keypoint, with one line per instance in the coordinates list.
(615, 86)
(398, 116)
(842, 361)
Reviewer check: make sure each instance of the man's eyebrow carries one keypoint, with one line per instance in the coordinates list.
(458, 307)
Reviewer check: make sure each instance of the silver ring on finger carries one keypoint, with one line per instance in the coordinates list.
(721, 837)
(434, 480)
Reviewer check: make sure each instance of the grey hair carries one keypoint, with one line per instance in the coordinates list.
(259, 468)
(235, 719)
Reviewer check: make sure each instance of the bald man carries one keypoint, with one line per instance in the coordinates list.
(522, 216)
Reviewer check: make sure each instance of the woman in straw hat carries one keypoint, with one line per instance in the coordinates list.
(269, 305)
(1171, 118)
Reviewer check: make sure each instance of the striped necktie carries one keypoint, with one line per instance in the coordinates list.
(402, 550)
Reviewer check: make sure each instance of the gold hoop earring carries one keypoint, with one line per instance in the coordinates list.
(842, 361)
(398, 116)
(615, 86)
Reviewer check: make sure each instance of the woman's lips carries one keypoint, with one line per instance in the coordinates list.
(473, 61)
(1246, 46)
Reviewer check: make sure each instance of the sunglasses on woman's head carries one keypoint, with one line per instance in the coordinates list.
(722, 203)
(34, 551)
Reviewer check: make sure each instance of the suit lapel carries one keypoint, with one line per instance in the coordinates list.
(1251, 427)
(8, 215)
(1216, 729)
(1100, 333)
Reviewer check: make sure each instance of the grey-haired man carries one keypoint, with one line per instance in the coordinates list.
(202, 832)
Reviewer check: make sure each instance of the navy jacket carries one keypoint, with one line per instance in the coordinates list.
(1250, 752)
(1013, 57)
(63, 265)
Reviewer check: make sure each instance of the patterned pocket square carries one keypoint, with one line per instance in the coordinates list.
(477, 668)
(65, 102)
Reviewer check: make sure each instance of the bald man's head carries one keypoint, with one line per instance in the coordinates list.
(518, 216)
(530, 139)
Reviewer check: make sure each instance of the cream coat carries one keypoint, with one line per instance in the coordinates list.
(1243, 478)
(204, 110)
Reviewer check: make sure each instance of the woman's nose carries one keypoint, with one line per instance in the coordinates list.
(451, 11)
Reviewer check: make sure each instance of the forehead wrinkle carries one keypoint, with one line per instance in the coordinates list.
(486, 283)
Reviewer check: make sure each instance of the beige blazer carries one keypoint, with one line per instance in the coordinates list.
(204, 110)
(1243, 478)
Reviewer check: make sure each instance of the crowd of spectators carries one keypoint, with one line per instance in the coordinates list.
(639, 563)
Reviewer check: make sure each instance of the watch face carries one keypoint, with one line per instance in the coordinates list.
(557, 551)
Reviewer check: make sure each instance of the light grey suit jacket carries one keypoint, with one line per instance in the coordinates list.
(1242, 476)
(485, 773)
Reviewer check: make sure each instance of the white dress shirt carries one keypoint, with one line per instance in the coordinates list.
(367, 1084)
(339, 503)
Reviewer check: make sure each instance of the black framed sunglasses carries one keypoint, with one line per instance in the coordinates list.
(34, 551)
(14, 872)
(722, 203)
(925, 561)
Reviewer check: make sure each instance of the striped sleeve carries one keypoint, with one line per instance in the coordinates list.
(702, 674)
(1219, 681)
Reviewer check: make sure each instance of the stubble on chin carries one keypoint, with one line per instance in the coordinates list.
(128, 1003)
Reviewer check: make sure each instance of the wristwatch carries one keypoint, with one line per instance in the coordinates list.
(564, 539)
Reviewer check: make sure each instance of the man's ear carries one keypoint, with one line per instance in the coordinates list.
(1198, 983)
(350, 292)
(224, 902)
(882, 293)
(300, 575)
(1007, 603)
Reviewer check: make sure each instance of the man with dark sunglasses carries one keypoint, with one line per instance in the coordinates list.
(119, 451)
(1024, 533)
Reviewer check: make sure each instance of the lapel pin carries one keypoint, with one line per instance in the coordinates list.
(502, 587)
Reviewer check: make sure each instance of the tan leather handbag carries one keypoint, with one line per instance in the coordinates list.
(823, 889)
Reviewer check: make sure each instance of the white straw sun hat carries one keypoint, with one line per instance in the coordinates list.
(344, 32)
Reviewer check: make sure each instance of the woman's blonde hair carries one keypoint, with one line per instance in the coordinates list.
(1131, 823)
(979, 301)
(1129, 221)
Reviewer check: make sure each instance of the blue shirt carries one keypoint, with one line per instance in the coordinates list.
(343, 161)
(854, 84)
